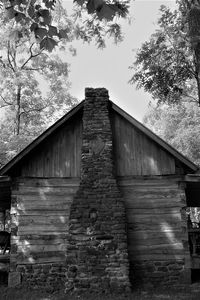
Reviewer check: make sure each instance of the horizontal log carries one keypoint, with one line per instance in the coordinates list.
(56, 191)
(41, 257)
(5, 180)
(154, 204)
(192, 178)
(152, 193)
(159, 248)
(154, 225)
(155, 233)
(149, 179)
(26, 249)
(159, 219)
(146, 198)
(34, 238)
(154, 241)
(4, 258)
(154, 257)
(149, 235)
(39, 242)
(42, 260)
(43, 220)
(141, 256)
(28, 181)
(41, 254)
(148, 185)
(42, 205)
(45, 198)
(36, 229)
(40, 212)
(153, 210)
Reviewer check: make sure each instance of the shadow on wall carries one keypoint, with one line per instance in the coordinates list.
(157, 232)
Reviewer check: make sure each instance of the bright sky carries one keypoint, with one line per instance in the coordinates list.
(109, 67)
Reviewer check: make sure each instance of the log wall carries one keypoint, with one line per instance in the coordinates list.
(157, 229)
(40, 214)
(4, 193)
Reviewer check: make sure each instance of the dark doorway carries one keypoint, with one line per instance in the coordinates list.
(195, 275)
(193, 224)
(3, 278)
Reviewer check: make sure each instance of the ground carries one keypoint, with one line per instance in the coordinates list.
(181, 293)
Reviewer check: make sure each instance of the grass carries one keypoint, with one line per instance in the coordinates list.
(187, 293)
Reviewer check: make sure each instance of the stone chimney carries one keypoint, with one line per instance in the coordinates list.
(97, 256)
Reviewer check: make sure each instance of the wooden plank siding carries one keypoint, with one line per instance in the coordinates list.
(135, 153)
(59, 155)
(156, 229)
(41, 212)
(5, 192)
(153, 208)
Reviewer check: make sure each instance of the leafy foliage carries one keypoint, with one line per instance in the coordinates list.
(34, 89)
(165, 65)
(179, 125)
(37, 16)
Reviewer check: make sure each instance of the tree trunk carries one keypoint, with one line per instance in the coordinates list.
(194, 34)
(198, 87)
(197, 68)
(18, 113)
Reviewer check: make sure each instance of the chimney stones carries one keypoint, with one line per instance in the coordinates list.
(97, 256)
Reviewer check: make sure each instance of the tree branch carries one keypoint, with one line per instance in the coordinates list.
(31, 56)
(33, 110)
(32, 69)
(7, 103)
(8, 56)
(189, 96)
(4, 105)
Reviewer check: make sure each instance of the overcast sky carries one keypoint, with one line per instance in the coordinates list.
(109, 67)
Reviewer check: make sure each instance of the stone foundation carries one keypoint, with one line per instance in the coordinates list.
(47, 276)
(164, 273)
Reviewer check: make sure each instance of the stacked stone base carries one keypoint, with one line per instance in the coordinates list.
(50, 277)
(160, 273)
(97, 258)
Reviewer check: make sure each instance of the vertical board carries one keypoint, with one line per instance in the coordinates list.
(59, 155)
(136, 154)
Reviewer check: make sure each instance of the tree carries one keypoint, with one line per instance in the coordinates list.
(179, 125)
(29, 107)
(190, 11)
(23, 64)
(37, 16)
(166, 65)
(30, 30)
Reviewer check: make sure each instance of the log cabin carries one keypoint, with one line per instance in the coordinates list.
(99, 202)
